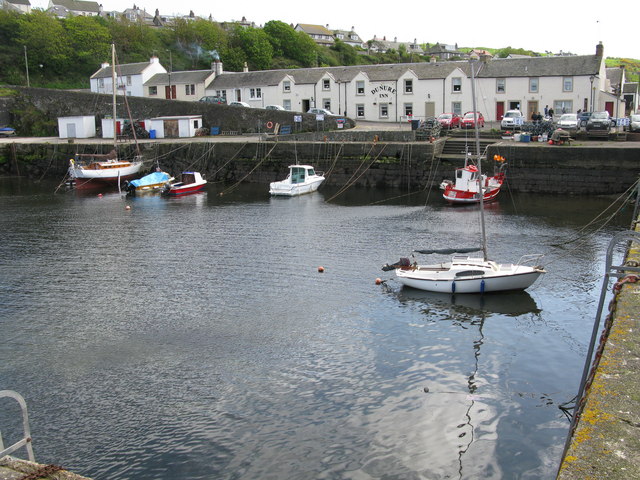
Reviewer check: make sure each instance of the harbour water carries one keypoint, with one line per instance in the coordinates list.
(195, 338)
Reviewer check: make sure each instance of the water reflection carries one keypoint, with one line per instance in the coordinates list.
(467, 307)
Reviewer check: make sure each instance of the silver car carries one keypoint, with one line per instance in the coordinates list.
(634, 123)
(569, 122)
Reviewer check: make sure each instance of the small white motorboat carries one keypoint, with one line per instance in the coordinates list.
(301, 179)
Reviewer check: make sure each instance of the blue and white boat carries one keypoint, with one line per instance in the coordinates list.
(154, 182)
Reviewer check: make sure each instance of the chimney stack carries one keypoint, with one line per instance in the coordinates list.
(600, 50)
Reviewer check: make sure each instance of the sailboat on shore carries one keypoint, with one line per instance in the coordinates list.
(95, 170)
(465, 273)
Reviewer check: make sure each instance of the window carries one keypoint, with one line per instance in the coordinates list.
(101, 82)
(360, 87)
(286, 104)
(153, 91)
(326, 103)
(196, 124)
(408, 109)
(456, 107)
(286, 86)
(456, 84)
(340, 36)
(501, 85)
(190, 89)
(360, 110)
(222, 93)
(533, 85)
(562, 106)
(408, 86)
(326, 84)
(567, 84)
(128, 79)
(255, 92)
(384, 110)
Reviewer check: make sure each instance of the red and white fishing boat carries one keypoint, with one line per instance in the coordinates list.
(468, 183)
(191, 182)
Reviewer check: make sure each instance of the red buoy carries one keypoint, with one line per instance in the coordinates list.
(321, 269)
(378, 281)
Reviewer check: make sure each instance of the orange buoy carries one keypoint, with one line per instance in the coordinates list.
(128, 207)
(99, 195)
(321, 269)
(378, 281)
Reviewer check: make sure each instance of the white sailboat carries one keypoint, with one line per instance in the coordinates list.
(93, 170)
(464, 273)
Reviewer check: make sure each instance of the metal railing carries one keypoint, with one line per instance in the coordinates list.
(25, 441)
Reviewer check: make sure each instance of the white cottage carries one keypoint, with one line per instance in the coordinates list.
(181, 126)
(77, 127)
(398, 92)
(130, 77)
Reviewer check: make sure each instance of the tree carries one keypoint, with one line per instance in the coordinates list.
(90, 40)
(256, 46)
(47, 41)
(289, 43)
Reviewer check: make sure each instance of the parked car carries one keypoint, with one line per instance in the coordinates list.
(583, 118)
(213, 99)
(319, 111)
(449, 120)
(239, 104)
(512, 120)
(634, 123)
(600, 121)
(569, 122)
(469, 120)
(274, 107)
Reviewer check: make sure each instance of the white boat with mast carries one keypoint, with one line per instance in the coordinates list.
(464, 273)
(301, 179)
(91, 170)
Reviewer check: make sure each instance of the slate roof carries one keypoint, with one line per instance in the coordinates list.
(122, 70)
(614, 74)
(78, 5)
(630, 88)
(19, 2)
(315, 29)
(302, 76)
(190, 76)
(539, 67)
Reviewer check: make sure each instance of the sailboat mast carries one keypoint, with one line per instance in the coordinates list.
(113, 88)
(479, 161)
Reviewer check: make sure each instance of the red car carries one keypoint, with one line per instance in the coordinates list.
(468, 120)
(449, 120)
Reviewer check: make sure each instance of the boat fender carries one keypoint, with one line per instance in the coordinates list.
(482, 286)
(453, 287)
(269, 124)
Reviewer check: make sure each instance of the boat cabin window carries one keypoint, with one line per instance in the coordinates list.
(458, 173)
(310, 172)
(297, 175)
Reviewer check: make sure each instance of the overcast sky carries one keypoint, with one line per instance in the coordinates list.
(543, 25)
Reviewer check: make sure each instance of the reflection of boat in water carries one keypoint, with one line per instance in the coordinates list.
(513, 303)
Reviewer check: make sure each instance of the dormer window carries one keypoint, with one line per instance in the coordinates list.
(326, 84)
(286, 86)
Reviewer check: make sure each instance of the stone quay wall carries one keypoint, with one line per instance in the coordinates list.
(579, 170)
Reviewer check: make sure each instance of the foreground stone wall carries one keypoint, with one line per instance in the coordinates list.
(63, 103)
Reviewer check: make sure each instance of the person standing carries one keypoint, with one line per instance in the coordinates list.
(551, 113)
(546, 110)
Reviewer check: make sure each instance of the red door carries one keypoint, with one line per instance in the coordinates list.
(608, 106)
(170, 92)
(499, 111)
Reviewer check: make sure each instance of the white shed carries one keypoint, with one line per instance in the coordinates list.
(171, 127)
(77, 127)
(107, 127)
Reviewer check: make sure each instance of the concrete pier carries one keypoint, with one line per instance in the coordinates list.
(606, 442)
(12, 468)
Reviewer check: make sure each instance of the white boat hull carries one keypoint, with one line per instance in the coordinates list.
(287, 189)
(472, 276)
